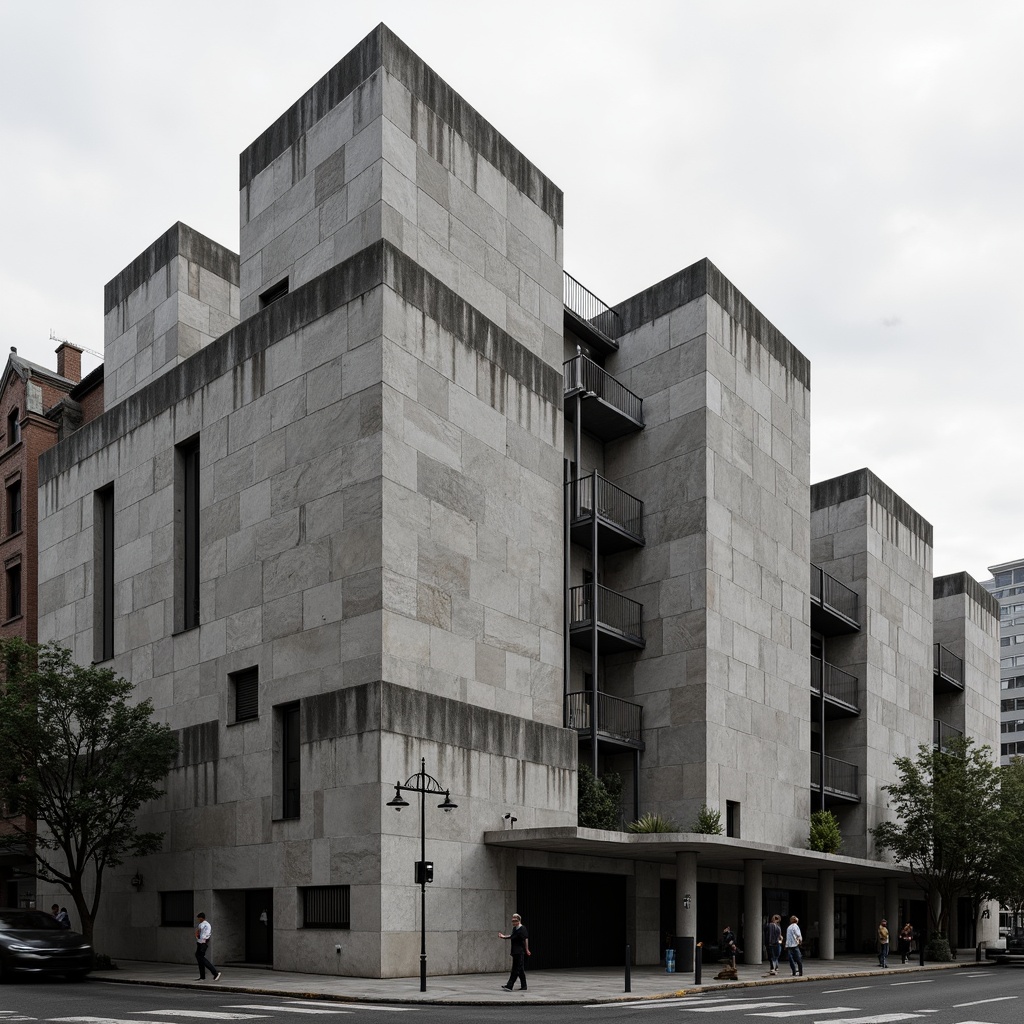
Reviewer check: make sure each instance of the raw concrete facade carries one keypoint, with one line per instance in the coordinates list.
(351, 531)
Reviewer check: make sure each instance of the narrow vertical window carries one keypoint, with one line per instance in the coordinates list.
(14, 590)
(186, 488)
(732, 818)
(288, 723)
(14, 507)
(103, 574)
(246, 685)
(13, 427)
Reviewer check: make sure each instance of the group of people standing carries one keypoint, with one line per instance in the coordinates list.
(905, 942)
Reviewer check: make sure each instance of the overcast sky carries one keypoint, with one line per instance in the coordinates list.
(854, 169)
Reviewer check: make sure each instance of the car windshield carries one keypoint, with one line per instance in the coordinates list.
(27, 921)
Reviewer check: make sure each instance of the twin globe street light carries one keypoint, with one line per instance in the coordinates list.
(423, 784)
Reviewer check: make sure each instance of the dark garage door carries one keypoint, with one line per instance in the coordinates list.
(575, 919)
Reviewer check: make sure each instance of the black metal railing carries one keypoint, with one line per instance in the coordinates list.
(583, 374)
(943, 735)
(947, 664)
(840, 776)
(612, 503)
(827, 591)
(613, 610)
(838, 684)
(587, 306)
(615, 717)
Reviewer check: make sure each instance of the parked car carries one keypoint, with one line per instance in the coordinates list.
(32, 942)
(1010, 952)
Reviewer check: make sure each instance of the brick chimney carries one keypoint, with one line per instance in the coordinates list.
(69, 361)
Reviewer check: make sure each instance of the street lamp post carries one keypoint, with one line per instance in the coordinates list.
(423, 784)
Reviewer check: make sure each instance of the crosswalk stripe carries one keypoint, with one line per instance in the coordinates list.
(737, 1007)
(647, 1004)
(206, 1014)
(97, 1020)
(978, 1002)
(804, 1013)
(878, 1018)
(284, 1009)
(356, 1006)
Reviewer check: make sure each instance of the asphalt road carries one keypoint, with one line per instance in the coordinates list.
(986, 995)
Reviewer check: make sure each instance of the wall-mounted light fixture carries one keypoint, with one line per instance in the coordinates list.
(137, 881)
(511, 819)
(686, 902)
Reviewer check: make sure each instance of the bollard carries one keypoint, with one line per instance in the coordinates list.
(698, 951)
(628, 987)
(920, 950)
(977, 953)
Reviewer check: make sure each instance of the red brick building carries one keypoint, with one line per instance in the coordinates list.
(38, 407)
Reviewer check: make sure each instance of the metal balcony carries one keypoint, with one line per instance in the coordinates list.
(587, 316)
(947, 669)
(840, 689)
(841, 779)
(943, 735)
(619, 620)
(608, 409)
(834, 606)
(620, 516)
(619, 722)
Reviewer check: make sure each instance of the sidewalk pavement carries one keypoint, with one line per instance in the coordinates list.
(581, 985)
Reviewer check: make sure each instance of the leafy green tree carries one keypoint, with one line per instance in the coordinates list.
(947, 808)
(78, 760)
(1007, 883)
(707, 822)
(825, 835)
(598, 799)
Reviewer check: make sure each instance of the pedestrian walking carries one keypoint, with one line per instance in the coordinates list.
(793, 939)
(203, 933)
(729, 947)
(519, 951)
(905, 941)
(773, 942)
(883, 944)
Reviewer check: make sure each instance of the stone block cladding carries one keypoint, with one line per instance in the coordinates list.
(380, 459)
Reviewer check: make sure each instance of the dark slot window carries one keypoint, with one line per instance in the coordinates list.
(247, 688)
(187, 524)
(104, 575)
(14, 428)
(273, 293)
(14, 591)
(325, 906)
(732, 818)
(176, 908)
(14, 507)
(290, 779)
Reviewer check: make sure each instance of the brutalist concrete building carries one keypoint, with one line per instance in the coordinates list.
(1007, 587)
(388, 486)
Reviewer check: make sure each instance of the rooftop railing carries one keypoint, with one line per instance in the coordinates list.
(614, 611)
(947, 665)
(837, 684)
(587, 306)
(832, 595)
(583, 374)
(611, 503)
(615, 717)
(841, 777)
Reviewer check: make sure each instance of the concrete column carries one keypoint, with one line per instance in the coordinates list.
(827, 913)
(752, 904)
(686, 885)
(892, 909)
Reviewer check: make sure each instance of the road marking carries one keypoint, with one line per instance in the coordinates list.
(978, 1002)
(98, 1020)
(878, 1018)
(358, 1006)
(282, 1008)
(207, 1014)
(742, 1007)
(927, 981)
(681, 1001)
(977, 974)
(805, 1013)
(838, 991)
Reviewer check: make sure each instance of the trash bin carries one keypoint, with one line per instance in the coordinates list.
(670, 961)
(684, 952)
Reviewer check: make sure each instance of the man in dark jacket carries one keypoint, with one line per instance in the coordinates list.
(520, 950)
